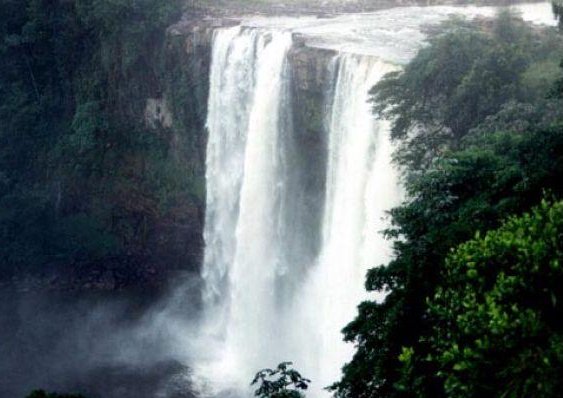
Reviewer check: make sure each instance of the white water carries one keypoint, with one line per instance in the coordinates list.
(252, 323)
(230, 96)
(245, 179)
(277, 286)
(260, 313)
(361, 184)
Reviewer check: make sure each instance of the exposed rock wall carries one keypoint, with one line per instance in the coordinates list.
(310, 77)
(311, 82)
(160, 198)
(169, 98)
(228, 8)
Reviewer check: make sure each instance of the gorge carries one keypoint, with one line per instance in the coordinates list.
(204, 205)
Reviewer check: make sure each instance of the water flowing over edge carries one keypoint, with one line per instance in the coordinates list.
(262, 307)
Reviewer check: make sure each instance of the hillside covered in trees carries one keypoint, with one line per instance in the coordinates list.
(96, 178)
(474, 293)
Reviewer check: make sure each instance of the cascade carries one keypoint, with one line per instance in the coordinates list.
(260, 311)
(246, 179)
(361, 185)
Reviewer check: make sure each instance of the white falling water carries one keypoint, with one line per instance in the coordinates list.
(361, 185)
(230, 97)
(252, 324)
(245, 180)
(247, 210)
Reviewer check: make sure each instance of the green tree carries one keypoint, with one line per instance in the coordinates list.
(282, 382)
(83, 181)
(492, 177)
(498, 312)
(497, 166)
(465, 74)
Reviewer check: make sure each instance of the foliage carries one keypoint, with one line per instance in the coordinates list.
(497, 165)
(498, 312)
(493, 176)
(465, 74)
(82, 179)
(282, 382)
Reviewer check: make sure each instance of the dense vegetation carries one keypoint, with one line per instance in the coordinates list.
(83, 180)
(281, 382)
(478, 119)
(498, 311)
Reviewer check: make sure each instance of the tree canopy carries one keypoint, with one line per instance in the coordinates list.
(82, 179)
(498, 312)
(480, 139)
(468, 72)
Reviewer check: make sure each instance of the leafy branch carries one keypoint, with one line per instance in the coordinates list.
(282, 382)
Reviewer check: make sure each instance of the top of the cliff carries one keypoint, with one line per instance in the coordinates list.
(236, 8)
(396, 32)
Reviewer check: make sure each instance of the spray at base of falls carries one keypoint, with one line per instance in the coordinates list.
(263, 307)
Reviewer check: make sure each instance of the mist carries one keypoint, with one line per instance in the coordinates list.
(98, 344)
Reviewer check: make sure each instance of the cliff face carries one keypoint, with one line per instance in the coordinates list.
(311, 78)
(169, 241)
(122, 188)
(228, 8)
(311, 82)
(111, 192)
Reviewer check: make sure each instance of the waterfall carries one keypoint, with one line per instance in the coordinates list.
(264, 303)
(257, 258)
(230, 96)
(361, 185)
(246, 182)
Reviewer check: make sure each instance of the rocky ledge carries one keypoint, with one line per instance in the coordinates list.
(323, 8)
